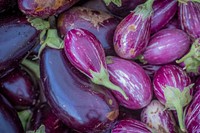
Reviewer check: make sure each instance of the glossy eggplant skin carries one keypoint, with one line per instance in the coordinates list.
(190, 24)
(9, 120)
(44, 8)
(101, 24)
(17, 39)
(80, 104)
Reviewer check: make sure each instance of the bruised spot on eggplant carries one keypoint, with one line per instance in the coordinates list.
(132, 28)
(132, 51)
(110, 101)
(113, 115)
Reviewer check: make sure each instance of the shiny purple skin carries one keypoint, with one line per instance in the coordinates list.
(132, 78)
(74, 99)
(190, 24)
(101, 24)
(9, 120)
(20, 88)
(44, 8)
(17, 39)
(158, 118)
(170, 75)
(132, 36)
(166, 46)
(130, 126)
(192, 117)
(163, 12)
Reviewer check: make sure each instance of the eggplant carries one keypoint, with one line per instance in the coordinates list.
(74, 99)
(86, 53)
(159, 119)
(17, 39)
(197, 85)
(173, 23)
(133, 32)
(130, 126)
(132, 78)
(163, 12)
(9, 120)
(190, 24)
(46, 8)
(173, 88)
(149, 69)
(101, 24)
(158, 51)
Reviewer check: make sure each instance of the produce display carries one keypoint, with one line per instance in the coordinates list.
(100, 66)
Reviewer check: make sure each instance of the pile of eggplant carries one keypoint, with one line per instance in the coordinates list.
(99, 66)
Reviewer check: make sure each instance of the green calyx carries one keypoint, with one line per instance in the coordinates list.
(41, 129)
(185, 1)
(176, 100)
(144, 9)
(24, 117)
(102, 78)
(116, 2)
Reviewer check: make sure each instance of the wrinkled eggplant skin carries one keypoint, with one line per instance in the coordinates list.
(159, 50)
(190, 24)
(129, 126)
(17, 39)
(80, 104)
(9, 120)
(163, 12)
(5, 5)
(192, 119)
(159, 119)
(126, 8)
(44, 8)
(101, 24)
(20, 88)
(132, 78)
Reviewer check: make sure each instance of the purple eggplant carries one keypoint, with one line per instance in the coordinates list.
(163, 12)
(159, 119)
(9, 120)
(197, 85)
(192, 119)
(159, 50)
(86, 53)
(173, 23)
(74, 99)
(133, 32)
(132, 79)
(44, 8)
(17, 39)
(101, 24)
(130, 126)
(190, 24)
(122, 7)
(173, 88)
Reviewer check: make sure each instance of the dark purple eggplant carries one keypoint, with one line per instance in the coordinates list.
(163, 12)
(159, 119)
(20, 88)
(17, 39)
(122, 7)
(130, 126)
(101, 24)
(74, 99)
(133, 32)
(9, 120)
(189, 18)
(5, 5)
(173, 88)
(44, 8)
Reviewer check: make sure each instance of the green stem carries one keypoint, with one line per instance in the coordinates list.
(24, 117)
(116, 2)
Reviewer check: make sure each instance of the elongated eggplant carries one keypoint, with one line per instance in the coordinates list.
(132, 79)
(173, 88)
(17, 39)
(44, 8)
(74, 99)
(101, 24)
(159, 119)
(9, 120)
(159, 50)
(133, 32)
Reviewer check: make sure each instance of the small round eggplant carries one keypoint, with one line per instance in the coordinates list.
(133, 32)
(159, 119)
(173, 88)
(130, 126)
(133, 80)
(159, 50)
